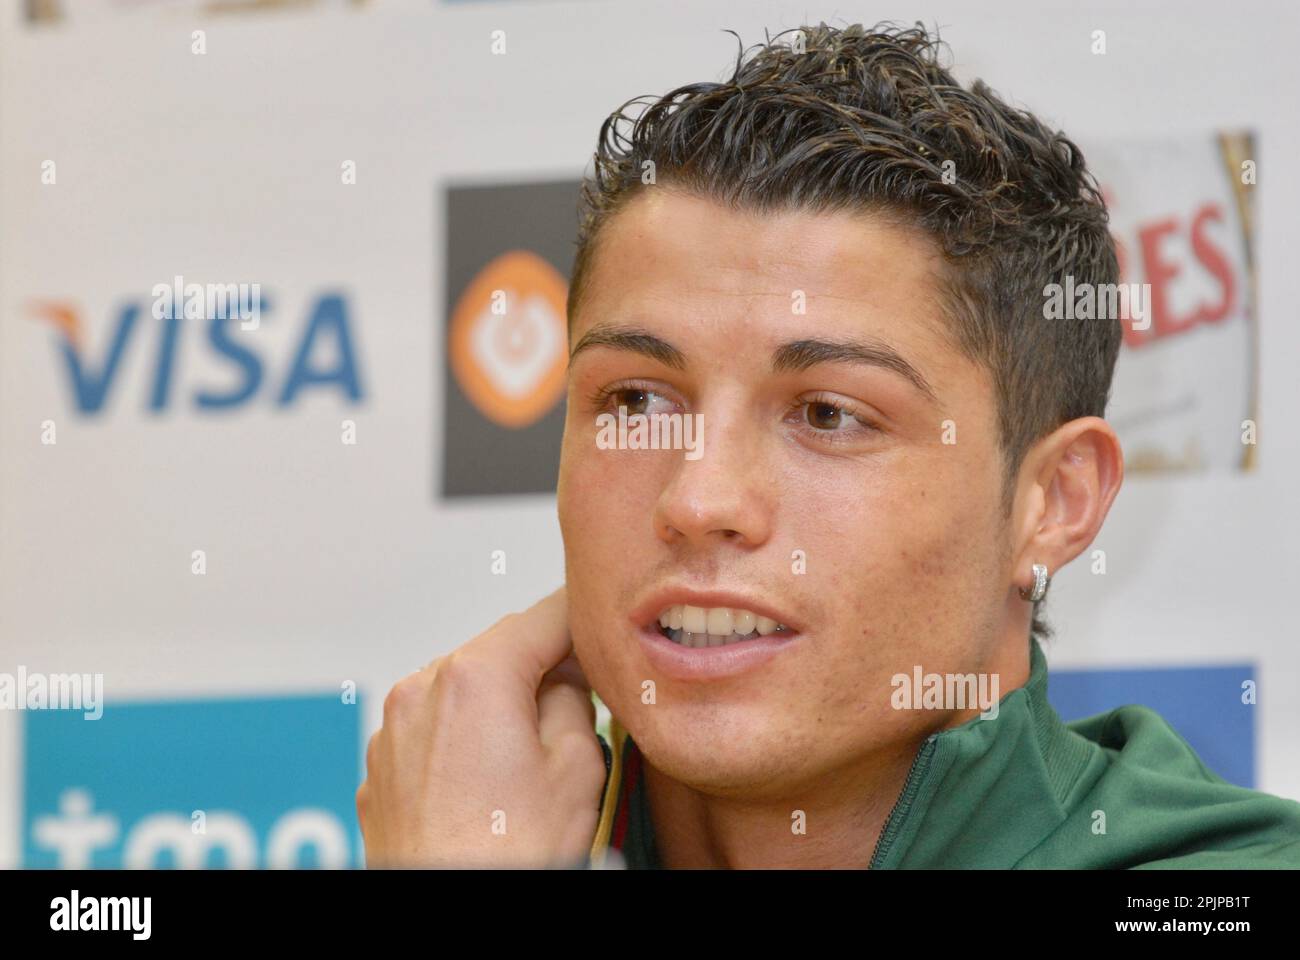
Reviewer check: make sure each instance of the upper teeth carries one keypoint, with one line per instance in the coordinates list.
(717, 621)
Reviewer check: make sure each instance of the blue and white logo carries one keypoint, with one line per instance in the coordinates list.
(257, 782)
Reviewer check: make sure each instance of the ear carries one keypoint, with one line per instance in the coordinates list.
(1067, 483)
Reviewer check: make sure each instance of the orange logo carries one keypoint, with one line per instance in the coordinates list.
(65, 318)
(508, 339)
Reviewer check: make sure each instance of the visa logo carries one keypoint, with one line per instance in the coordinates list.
(324, 357)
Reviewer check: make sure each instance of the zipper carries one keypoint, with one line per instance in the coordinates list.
(899, 811)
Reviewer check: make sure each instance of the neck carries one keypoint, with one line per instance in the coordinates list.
(844, 811)
(834, 822)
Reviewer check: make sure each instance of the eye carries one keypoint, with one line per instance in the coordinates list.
(637, 398)
(832, 419)
(825, 416)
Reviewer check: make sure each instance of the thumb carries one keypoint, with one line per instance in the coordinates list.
(564, 703)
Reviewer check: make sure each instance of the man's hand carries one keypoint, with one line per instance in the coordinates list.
(488, 757)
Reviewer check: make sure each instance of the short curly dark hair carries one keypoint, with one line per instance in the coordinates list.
(870, 119)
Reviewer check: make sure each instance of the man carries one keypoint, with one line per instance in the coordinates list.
(835, 263)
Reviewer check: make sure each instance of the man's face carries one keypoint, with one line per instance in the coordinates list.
(834, 493)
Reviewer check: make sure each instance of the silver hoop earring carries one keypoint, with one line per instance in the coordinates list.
(1041, 582)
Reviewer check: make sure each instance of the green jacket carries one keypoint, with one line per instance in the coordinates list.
(1024, 790)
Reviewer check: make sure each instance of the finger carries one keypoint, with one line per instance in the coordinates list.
(564, 707)
(568, 670)
(533, 643)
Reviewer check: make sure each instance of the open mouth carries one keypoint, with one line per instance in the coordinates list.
(715, 626)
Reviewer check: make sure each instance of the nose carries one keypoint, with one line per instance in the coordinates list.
(723, 496)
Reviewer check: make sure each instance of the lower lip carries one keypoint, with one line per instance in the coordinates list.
(711, 663)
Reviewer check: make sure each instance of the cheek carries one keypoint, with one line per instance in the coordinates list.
(583, 495)
(906, 557)
(604, 501)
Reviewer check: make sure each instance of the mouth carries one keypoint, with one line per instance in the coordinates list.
(696, 627)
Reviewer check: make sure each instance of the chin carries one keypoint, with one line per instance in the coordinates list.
(714, 748)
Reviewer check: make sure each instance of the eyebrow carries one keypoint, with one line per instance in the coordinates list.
(633, 340)
(793, 356)
(802, 354)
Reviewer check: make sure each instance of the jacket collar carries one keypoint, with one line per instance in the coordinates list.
(987, 792)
